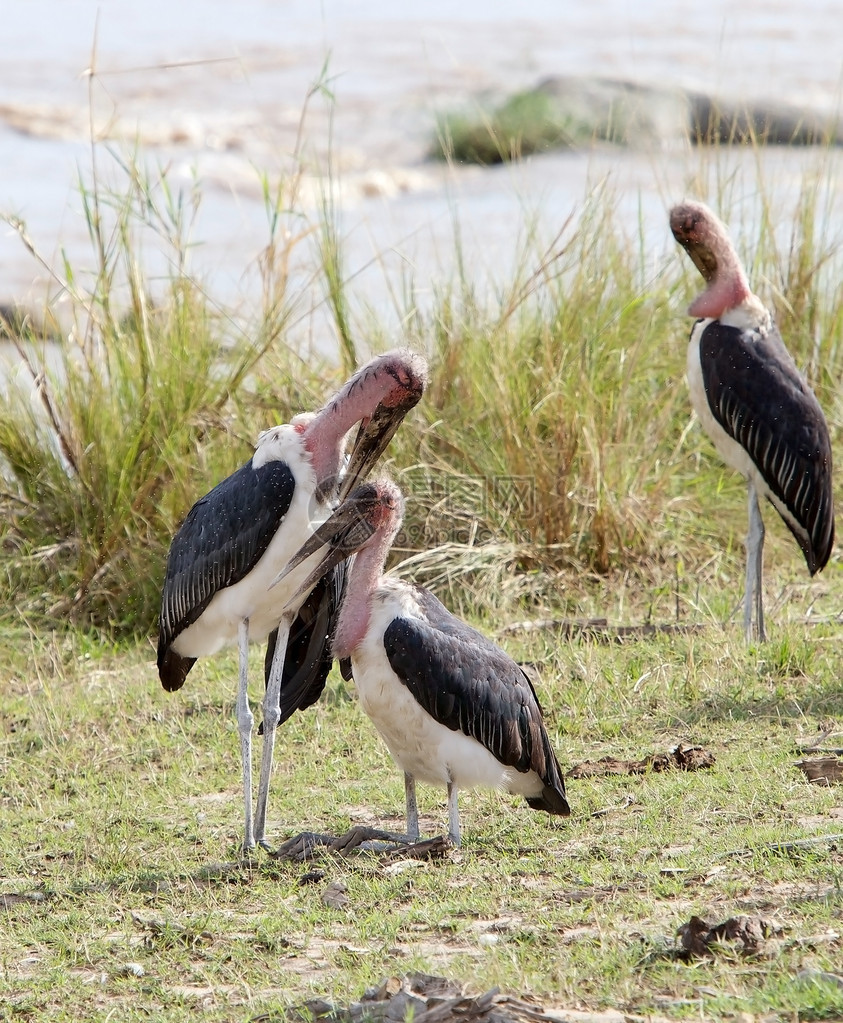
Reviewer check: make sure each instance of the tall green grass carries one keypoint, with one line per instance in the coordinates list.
(553, 448)
(538, 398)
(108, 435)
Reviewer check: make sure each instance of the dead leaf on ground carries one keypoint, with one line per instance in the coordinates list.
(168, 931)
(748, 935)
(683, 757)
(21, 898)
(437, 1000)
(822, 770)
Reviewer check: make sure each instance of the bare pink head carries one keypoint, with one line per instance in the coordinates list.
(380, 393)
(365, 525)
(706, 240)
(380, 506)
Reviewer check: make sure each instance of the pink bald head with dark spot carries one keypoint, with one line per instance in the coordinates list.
(706, 240)
(395, 380)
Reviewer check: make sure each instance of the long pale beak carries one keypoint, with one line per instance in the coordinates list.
(338, 537)
(703, 259)
(683, 224)
(372, 439)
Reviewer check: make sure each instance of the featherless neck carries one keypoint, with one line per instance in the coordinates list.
(357, 400)
(356, 610)
(706, 240)
(728, 289)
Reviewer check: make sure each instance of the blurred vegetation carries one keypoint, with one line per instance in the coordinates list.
(527, 122)
(574, 111)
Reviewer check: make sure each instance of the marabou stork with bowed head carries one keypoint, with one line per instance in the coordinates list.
(237, 538)
(451, 706)
(754, 403)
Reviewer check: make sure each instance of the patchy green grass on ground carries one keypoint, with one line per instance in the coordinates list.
(124, 896)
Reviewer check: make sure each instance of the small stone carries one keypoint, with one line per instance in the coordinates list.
(822, 976)
(335, 895)
(391, 986)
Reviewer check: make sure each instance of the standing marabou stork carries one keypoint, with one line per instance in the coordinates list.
(754, 403)
(452, 707)
(237, 538)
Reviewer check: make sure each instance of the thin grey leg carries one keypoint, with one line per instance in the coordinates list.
(759, 562)
(245, 722)
(453, 815)
(412, 807)
(754, 564)
(271, 716)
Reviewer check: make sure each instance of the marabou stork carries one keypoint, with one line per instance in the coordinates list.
(237, 538)
(451, 706)
(754, 403)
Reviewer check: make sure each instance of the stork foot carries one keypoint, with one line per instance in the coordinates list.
(360, 838)
(250, 849)
(389, 845)
(367, 839)
(420, 849)
(303, 846)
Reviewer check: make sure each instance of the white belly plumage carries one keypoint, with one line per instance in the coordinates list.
(732, 453)
(251, 597)
(422, 747)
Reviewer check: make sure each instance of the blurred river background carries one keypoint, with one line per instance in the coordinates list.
(213, 90)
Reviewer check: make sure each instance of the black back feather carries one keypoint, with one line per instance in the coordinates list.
(308, 659)
(221, 540)
(761, 400)
(467, 683)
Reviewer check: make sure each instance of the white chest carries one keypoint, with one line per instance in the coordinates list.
(732, 453)
(422, 747)
(252, 597)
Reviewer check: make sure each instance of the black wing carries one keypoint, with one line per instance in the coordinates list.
(308, 659)
(223, 537)
(467, 683)
(758, 396)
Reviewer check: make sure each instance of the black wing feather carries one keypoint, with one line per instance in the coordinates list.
(759, 397)
(308, 659)
(467, 683)
(221, 540)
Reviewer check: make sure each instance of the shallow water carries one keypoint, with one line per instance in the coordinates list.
(214, 91)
